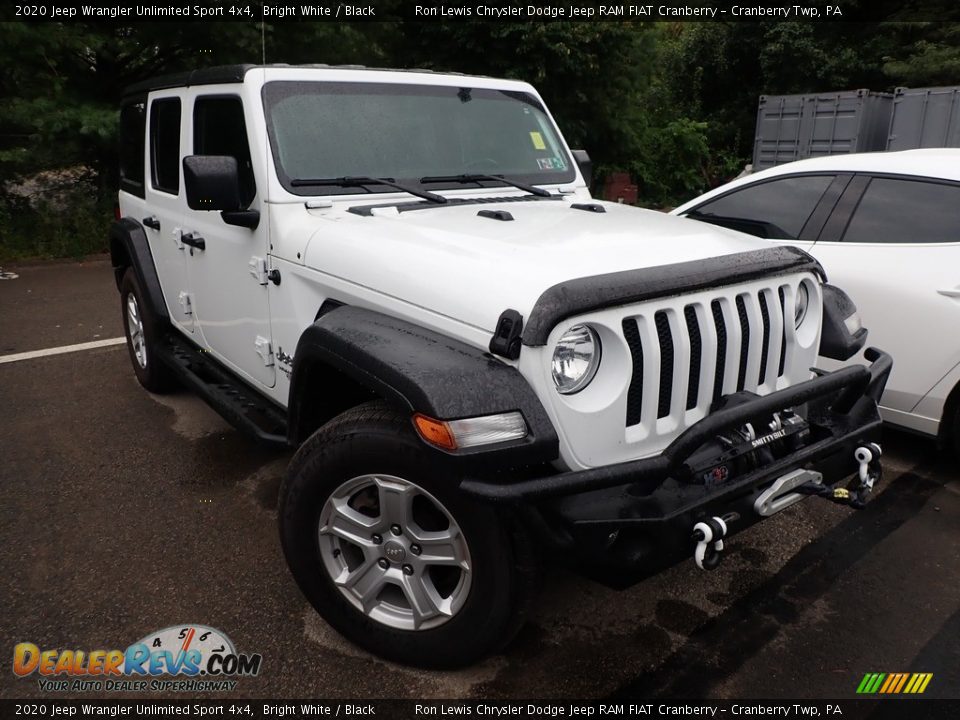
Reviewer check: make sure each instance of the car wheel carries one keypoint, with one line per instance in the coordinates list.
(953, 436)
(391, 554)
(142, 330)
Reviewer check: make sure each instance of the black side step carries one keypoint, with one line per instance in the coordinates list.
(239, 404)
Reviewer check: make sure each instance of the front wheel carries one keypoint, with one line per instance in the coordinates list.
(953, 436)
(389, 552)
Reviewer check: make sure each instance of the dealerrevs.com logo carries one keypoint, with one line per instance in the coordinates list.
(182, 658)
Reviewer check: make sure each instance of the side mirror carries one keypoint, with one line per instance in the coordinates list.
(212, 182)
(585, 164)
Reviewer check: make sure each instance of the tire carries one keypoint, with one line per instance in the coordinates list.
(953, 434)
(342, 477)
(143, 331)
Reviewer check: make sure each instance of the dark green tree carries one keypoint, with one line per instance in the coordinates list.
(62, 84)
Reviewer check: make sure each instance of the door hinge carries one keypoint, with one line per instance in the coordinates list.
(258, 268)
(186, 302)
(264, 350)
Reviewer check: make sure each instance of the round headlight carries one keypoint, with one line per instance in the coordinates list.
(803, 302)
(575, 359)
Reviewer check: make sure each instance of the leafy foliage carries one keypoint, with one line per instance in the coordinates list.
(926, 54)
(672, 103)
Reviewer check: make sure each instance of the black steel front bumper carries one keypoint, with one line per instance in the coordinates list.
(635, 517)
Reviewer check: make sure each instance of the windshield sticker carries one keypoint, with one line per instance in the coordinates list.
(538, 142)
(553, 163)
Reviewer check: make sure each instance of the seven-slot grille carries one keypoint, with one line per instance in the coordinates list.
(685, 357)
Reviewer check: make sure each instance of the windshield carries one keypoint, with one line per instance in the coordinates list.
(325, 130)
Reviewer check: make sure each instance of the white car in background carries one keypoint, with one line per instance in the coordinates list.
(886, 228)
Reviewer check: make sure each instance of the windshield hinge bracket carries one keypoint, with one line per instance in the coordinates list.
(264, 350)
(506, 340)
(258, 268)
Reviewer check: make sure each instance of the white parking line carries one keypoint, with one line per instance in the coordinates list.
(61, 350)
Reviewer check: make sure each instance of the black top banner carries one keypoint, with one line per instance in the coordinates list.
(477, 11)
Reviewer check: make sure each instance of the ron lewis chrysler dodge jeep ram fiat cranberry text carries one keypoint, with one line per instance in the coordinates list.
(403, 275)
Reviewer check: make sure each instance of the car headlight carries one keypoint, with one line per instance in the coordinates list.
(803, 302)
(575, 359)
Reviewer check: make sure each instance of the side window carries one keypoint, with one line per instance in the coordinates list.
(219, 129)
(903, 211)
(133, 125)
(777, 209)
(165, 145)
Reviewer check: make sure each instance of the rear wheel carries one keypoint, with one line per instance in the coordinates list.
(143, 331)
(389, 552)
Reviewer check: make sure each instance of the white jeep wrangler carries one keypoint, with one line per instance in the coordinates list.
(403, 275)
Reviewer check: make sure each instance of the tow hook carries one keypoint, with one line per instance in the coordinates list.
(869, 458)
(870, 473)
(709, 535)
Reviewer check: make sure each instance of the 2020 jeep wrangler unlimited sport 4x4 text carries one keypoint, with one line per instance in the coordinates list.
(403, 275)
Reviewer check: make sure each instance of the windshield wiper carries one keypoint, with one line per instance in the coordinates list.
(364, 182)
(477, 177)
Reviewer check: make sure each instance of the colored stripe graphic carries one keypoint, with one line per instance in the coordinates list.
(891, 680)
(867, 682)
(903, 680)
(894, 683)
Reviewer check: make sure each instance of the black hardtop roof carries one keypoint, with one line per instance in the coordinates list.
(223, 74)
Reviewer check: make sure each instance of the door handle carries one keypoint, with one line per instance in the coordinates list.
(194, 241)
(152, 222)
(950, 292)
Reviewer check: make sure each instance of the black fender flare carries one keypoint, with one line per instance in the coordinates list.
(422, 371)
(128, 243)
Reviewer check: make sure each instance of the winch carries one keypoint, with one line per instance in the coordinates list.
(752, 445)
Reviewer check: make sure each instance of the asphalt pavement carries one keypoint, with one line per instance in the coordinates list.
(122, 513)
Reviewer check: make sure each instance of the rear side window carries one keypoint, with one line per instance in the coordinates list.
(133, 121)
(906, 211)
(219, 129)
(165, 145)
(776, 209)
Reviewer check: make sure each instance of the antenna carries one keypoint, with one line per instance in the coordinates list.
(263, 42)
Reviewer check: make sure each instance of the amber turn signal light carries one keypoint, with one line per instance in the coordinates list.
(435, 432)
(471, 432)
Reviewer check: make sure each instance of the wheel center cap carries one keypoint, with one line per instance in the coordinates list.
(394, 551)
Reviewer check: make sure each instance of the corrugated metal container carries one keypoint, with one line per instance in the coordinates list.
(778, 136)
(793, 127)
(925, 117)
